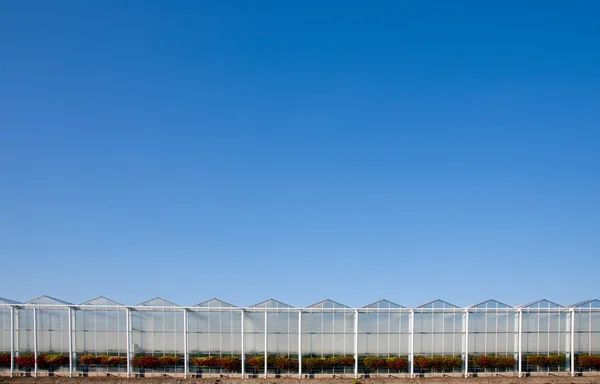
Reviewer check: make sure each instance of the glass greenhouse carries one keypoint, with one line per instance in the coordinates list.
(158, 337)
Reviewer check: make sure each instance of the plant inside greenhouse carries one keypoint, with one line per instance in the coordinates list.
(589, 361)
(546, 360)
(5, 359)
(494, 362)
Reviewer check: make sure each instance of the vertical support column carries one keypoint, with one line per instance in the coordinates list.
(520, 344)
(243, 313)
(186, 354)
(412, 343)
(572, 310)
(128, 326)
(74, 336)
(35, 342)
(12, 341)
(299, 344)
(266, 341)
(17, 332)
(356, 343)
(70, 341)
(467, 343)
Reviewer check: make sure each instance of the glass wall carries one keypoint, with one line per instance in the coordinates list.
(545, 331)
(24, 332)
(383, 331)
(327, 330)
(492, 329)
(492, 332)
(100, 328)
(5, 329)
(438, 331)
(157, 329)
(282, 335)
(587, 331)
(214, 331)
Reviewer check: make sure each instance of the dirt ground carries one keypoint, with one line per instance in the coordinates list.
(427, 380)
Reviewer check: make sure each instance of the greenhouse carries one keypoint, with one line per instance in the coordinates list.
(47, 336)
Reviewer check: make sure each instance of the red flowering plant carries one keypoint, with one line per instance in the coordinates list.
(231, 363)
(170, 361)
(25, 361)
(256, 362)
(339, 361)
(284, 363)
(5, 359)
(207, 362)
(589, 361)
(558, 359)
(544, 361)
(397, 364)
(422, 362)
(311, 364)
(372, 363)
(346, 361)
(88, 359)
(539, 360)
(145, 362)
(493, 362)
(446, 363)
(111, 361)
(332, 361)
(483, 361)
(51, 361)
(505, 362)
(438, 363)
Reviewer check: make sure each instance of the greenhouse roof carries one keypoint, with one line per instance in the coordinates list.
(101, 301)
(594, 303)
(271, 303)
(490, 304)
(541, 304)
(8, 301)
(214, 303)
(438, 304)
(328, 304)
(383, 304)
(47, 300)
(158, 302)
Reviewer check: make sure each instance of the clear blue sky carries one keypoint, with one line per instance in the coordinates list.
(300, 150)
